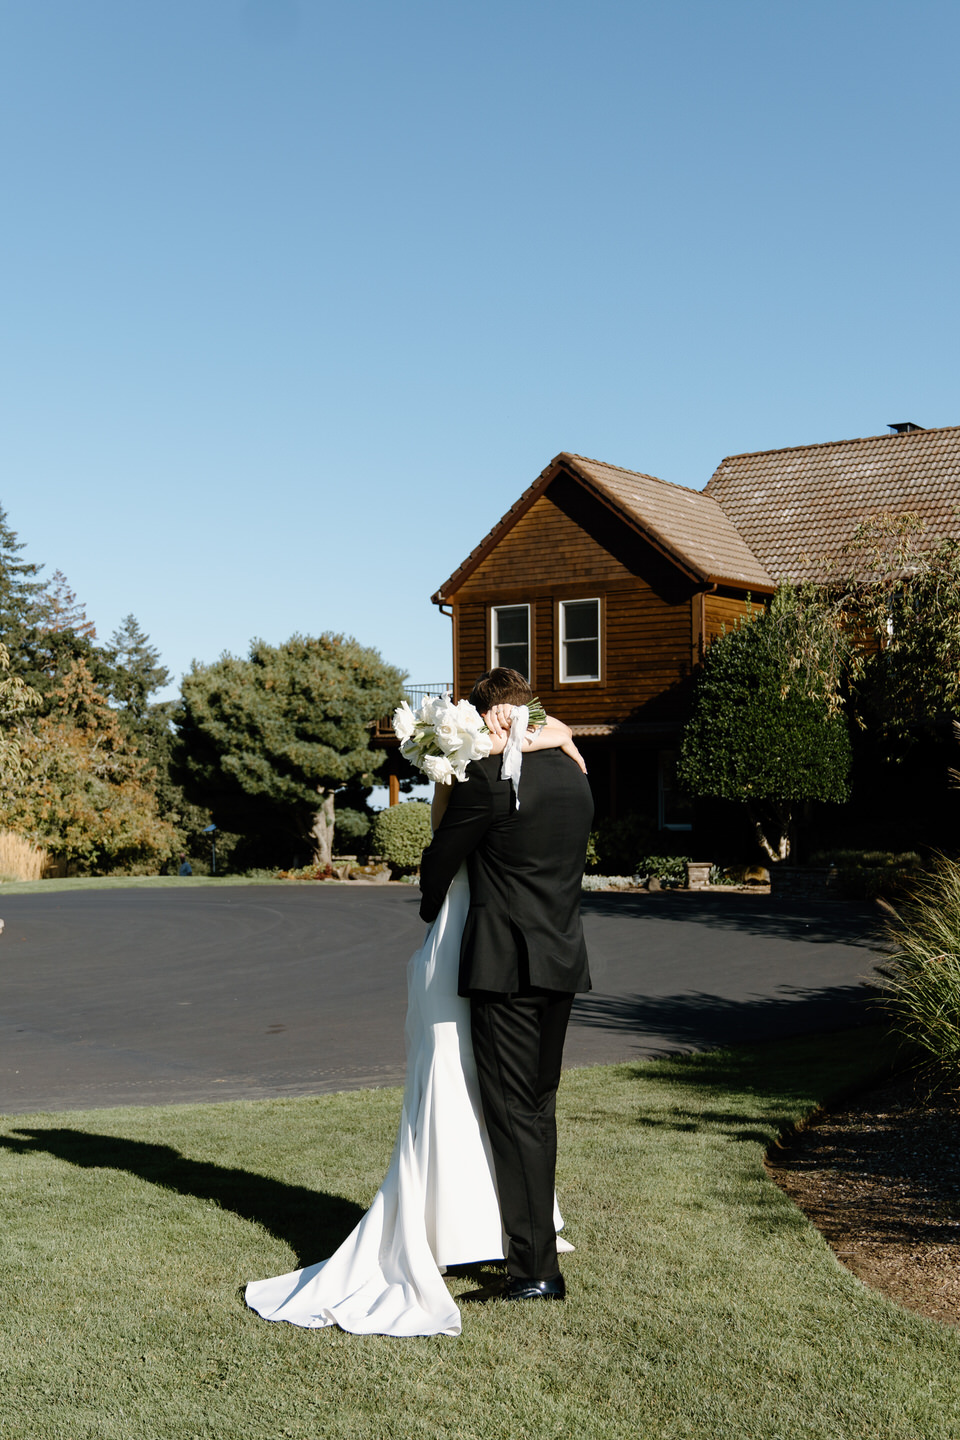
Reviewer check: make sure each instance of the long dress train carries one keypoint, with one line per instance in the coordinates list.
(438, 1204)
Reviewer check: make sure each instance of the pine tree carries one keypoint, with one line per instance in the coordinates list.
(22, 604)
(138, 673)
(266, 742)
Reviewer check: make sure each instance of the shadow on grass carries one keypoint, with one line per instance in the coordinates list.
(311, 1222)
(766, 1087)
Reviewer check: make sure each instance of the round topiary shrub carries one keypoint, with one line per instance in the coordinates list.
(402, 833)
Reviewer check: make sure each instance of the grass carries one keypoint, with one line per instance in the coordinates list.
(702, 1304)
(922, 979)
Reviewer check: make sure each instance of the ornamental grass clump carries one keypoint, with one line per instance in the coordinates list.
(921, 991)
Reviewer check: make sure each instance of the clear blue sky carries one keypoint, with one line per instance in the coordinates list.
(299, 297)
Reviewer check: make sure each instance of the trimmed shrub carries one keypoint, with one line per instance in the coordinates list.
(868, 874)
(351, 831)
(609, 882)
(616, 846)
(670, 870)
(402, 833)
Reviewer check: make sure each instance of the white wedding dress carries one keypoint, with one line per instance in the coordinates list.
(438, 1203)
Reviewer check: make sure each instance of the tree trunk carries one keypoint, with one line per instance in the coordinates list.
(322, 832)
(774, 833)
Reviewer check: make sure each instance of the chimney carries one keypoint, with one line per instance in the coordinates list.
(905, 427)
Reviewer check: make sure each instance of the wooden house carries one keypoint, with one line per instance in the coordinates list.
(602, 586)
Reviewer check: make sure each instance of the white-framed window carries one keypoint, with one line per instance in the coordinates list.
(579, 640)
(510, 637)
(676, 807)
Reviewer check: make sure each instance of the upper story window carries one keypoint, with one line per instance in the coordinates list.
(510, 641)
(579, 640)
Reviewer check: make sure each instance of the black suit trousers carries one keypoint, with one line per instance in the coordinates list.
(518, 1044)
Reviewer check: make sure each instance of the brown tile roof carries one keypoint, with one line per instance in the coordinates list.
(686, 525)
(798, 508)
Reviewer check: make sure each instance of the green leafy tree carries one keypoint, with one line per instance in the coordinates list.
(768, 728)
(267, 742)
(903, 604)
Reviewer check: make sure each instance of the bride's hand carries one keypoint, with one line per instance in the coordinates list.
(570, 749)
(497, 720)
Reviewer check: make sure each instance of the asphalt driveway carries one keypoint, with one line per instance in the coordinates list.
(156, 996)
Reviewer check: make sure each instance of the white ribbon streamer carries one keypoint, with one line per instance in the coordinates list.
(512, 761)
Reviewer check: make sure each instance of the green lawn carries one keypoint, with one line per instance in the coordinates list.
(701, 1301)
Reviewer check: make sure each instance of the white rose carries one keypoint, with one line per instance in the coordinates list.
(468, 716)
(433, 707)
(438, 769)
(404, 721)
(474, 746)
(448, 735)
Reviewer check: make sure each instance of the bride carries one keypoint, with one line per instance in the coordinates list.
(438, 1203)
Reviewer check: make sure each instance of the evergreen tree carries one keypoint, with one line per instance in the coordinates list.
(22, 599)
(138, 673)
(87, 795)
(17, 700)
(266, 742)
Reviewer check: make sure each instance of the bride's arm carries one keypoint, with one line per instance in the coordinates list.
(441, 799)
(554, 735)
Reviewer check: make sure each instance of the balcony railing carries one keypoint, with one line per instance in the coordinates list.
(415, 696)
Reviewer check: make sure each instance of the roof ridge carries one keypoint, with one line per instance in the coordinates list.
(642, 474)
(827, 445)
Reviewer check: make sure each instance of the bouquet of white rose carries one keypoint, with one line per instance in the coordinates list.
(441, 738)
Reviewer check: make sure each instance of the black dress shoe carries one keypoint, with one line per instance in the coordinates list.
(520, 1289)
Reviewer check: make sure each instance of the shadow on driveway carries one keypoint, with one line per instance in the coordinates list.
(699, 1019)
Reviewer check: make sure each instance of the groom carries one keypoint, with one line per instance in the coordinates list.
(521, 961)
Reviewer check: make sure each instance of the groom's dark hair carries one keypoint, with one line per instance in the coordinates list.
(501, 686)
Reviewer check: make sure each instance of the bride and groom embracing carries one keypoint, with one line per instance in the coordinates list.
(490, 991)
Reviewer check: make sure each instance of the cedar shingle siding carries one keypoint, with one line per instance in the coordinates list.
(673, 568)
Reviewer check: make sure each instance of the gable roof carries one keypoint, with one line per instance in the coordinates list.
(688, 526)
(797, 508)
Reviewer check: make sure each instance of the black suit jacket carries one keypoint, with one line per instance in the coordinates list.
(525, 869)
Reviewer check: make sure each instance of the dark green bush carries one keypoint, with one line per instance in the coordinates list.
(869, 874)
(402, 832)
(616, 846)
(351, 830)
(670, 870)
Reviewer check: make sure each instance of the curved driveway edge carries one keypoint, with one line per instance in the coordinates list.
(149, 997)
